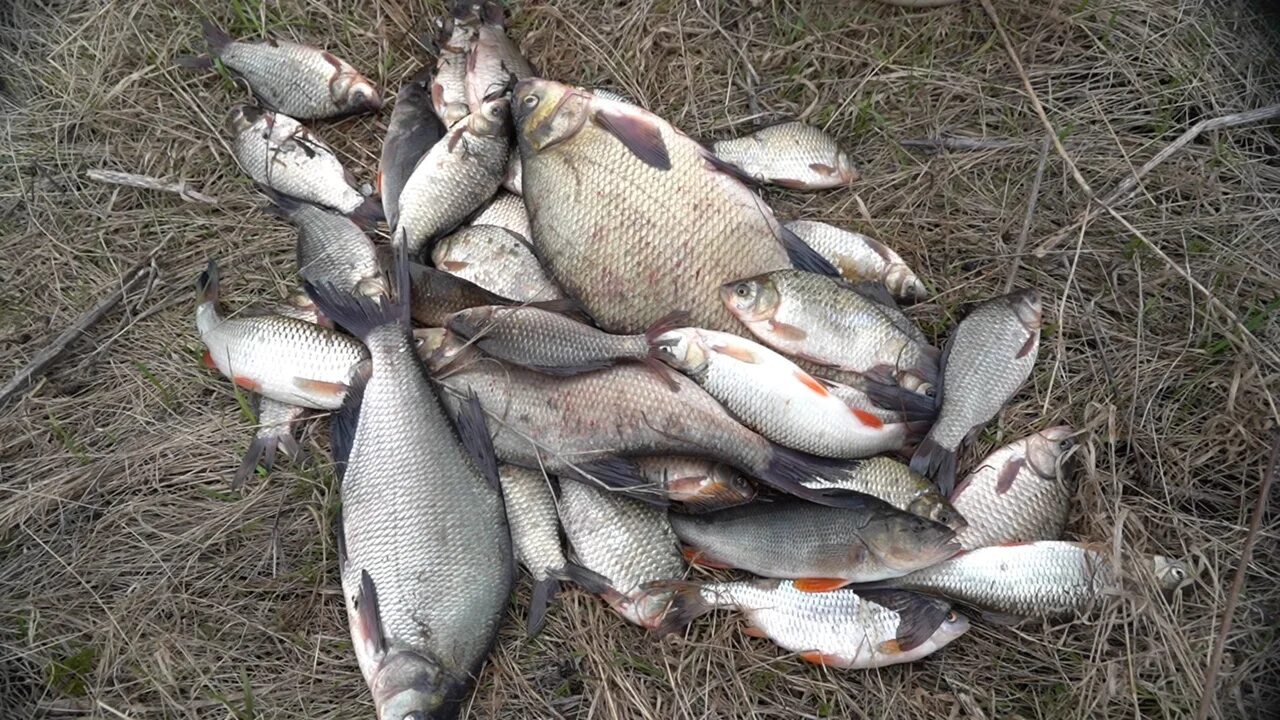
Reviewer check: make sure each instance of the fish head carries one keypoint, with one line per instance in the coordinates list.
(493, 119)
(906, 542)
(753, 299)
(354, 92)
(846, 169)
(953, 626)
(1049, 452)
(937, 508)
(409, 686)
(1171, 574)
(721, 487)
(547, 113)
(437, 347)
(1026, 305)
(681, 349)
(243, 117)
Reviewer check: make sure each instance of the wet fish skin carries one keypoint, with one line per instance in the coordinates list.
(696, 484)
(829, 322)
(411, 133)
(1020, 492)
(506, 211)
(285, 359)
(276, 424)
(498, 261)
(494, 59)
(455, 177)
(332, 248)
(771, 395)
(861, 258)
(894, 483)
(513, 178)
(841, 628)
(298, 80)
(424, 547)
(535, 535)
(794, 539)
(790, 154)
(279, 153)
(594, 171)
(987, 359)
(437, 295)
(626, 541)
(455, 38)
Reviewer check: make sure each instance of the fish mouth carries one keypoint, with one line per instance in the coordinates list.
(1026, 305)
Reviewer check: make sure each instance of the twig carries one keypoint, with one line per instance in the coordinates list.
(111, 177)
(939, 144)
(1237, 583)
(1026, 219)
(1125, 188)
(49, 354)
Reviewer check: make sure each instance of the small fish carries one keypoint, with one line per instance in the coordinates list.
(890, 403)
(332, 248)
(437, 295)
(894, 483)
(494, 60)
(290, 361)
(276, 424)
(627, 542)
(497, 260)
(771, 395)
(298, 80)
(455, 38)
(1050, 579)
(411, 132)
(554, 344)
(698, 485)
(455, 177)
(790, 154)
(1019, 493)
(859, 257)
(535, 535)
(279, 153)
(986, 359)
(830, 322)
(842, 628)
(821, 547)
(506, 211)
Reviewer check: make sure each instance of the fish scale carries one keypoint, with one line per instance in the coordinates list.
(506, 210)
(496, 260)
(791, 154)
(333, 249)
(894, 483)
(535, 524)
(277, 151)
(860, 258)
(541, 339)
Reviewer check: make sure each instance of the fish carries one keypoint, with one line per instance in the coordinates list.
(411, 133)
(771, 395)
(279, 153)
(513, 178)
(455, 177)
(424, 548)
(455, 36)
(791, 154)
(552, 343)
(287, 360)
(861, 258)
(505, 211)
(695, 484)
(332, 248)
(821, 548)
(497, 260)
(437, 295)
(633, 218)
(1019, 493)
(1048, 578)
(494, 60)
(298, 80)
(535, 536)
(439, 350)
(842, 628)
(625, 541)
(888, 402)
(276, 424)
(614, 95)
(894, 483)
(298, 305)
(586, 426)
(986, 359)
(830, 322)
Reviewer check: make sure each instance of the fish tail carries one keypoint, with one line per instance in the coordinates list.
(653, 358)
(262, 451)
(913, 406)
(621, 475)
(544, 592)
(194, 62)
(787, 470)
(936, 462)
(589, 580)
(688, 603)
(207, 285)
(803, 256)
(361, 314)
(216, 37)
(368, 213)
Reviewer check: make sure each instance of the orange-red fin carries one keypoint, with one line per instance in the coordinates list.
(246, 382)
(738, 353)
(790, 183)
(889, 647)
(208, 361)
(812, 383)
(695, 557)
(820, 658)
(867, 418)
(753, 631)
(818, 585)
(787, 331)
(321, 387)
(377, 181)
(822, 169)
(452, 265)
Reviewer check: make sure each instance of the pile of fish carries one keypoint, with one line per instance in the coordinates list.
(586, 326)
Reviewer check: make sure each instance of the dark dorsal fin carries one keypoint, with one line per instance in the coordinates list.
(370, 623)
(473, 430)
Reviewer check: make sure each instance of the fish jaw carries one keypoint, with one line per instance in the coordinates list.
(405, 683)
(547, 113)
(846, 169)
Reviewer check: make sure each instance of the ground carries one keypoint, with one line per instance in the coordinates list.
(134, 584)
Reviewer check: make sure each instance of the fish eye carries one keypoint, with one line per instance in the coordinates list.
(953, 616)
(742, 290)
(530, 101)
(1179, 573)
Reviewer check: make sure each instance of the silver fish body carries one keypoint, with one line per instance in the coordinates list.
(506, 211)
(696, 484)
(535, 524)
(332, 249)
(987, 358)
(790, 154)
(437, 295)
(543, 340)
(626, 541)
(859, 257)
(411, 133)
(493, 60)
(497, 260)
(278, 152)
(1019, 493)
(449, 86)
(513, 178)
(894, 483)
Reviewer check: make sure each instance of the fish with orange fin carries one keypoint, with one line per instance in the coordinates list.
(288, 360)
(791, 154)
(771, 395)
(819, 547)
(697, 485)
(842, 628)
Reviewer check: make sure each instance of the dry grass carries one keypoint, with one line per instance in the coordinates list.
(133, 585)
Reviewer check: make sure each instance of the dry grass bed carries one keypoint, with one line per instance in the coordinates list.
(133, 585)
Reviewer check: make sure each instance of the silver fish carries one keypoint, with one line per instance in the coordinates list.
(276, 423)
(506, 211)
(790, 154)
(894, 483)
(497, 260)
(859, 257)
(698, 485)
(332, 249)
(987, 358)
(411, 132)
(449, 86)
(494, 60)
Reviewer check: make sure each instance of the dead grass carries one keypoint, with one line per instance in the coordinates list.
(132, 585)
